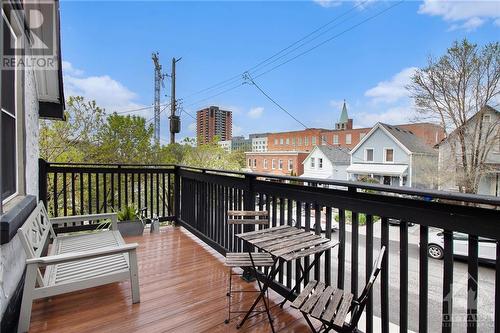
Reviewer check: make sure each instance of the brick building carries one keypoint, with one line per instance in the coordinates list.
(211, 122)
(282, 163)
(344, 135)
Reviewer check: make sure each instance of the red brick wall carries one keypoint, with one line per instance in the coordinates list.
(356, 135)
(296, 157)
(431, 134)
(290, 137)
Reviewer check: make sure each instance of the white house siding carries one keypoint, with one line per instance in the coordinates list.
(424, 171)
(378, 141)
(328, 171)
(488, 184)
(12, 254)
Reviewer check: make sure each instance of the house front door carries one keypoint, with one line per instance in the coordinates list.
(387, 180)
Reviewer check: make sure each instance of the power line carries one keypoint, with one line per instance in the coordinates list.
(249, 78)
(164, 108)
(251, 81)
(331, 38)
(237, 77)
(302, 53)
(134, 110)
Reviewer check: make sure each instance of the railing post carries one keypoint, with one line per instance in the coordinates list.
(248, 204)
(177, 194)
(42, 181)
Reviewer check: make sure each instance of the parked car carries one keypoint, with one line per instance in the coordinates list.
(398, 222)
(334, 225)
(486, 246)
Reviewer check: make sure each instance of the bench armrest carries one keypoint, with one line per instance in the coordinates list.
(80, 218)
(75, 256)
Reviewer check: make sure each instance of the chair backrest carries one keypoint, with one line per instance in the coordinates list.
(248, 217)
(35, 234)
(360, 303)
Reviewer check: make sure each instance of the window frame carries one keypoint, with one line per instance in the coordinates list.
(348, 141)
(386, 149)
(320, 163)
(335, 139)
(290, 165)
(265, 163)
(280, 164)
(17, 31)
(313, 163)
(273, 164)
(366, 155)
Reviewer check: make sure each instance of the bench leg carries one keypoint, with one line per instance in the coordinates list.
(27, 301)
(134, 276)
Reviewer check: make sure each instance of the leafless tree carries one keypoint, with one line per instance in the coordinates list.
(457, 90)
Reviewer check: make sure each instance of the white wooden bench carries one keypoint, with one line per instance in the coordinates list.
(73, 262)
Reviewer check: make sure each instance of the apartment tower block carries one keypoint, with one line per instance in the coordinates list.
(211, 122)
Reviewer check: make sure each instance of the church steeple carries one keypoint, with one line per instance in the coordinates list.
(344, 121)
(343, 115)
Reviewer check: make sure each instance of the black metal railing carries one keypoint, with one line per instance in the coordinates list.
(199, 199)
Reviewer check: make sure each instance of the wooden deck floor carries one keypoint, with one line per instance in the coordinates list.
(183, 285)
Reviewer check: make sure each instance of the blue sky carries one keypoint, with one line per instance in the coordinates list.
(107, 49)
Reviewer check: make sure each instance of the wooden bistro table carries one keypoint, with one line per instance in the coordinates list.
(287, 243)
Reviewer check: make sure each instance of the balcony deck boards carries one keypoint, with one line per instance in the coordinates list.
(183, 285)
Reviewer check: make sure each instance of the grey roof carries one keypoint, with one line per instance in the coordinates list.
(409, 140)
(336, 155)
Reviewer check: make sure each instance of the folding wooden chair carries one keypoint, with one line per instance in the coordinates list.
(331, 305)
(243, 259)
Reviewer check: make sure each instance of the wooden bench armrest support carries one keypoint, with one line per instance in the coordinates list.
(75, 256)
(79, 218)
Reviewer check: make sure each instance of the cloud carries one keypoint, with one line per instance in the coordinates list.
(396, 115)
(107, 92)
(255, 112)
(392, 90)
(328, 3)
(467, 15)
(68, 69)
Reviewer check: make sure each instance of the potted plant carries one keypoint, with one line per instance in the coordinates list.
(129, 223)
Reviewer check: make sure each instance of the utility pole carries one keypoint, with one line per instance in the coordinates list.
(159, 76)
(175, 122)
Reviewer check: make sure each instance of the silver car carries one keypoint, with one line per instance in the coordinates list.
(486, 246)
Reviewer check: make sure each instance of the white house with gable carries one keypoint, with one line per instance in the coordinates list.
(394, 156)
(325, 162)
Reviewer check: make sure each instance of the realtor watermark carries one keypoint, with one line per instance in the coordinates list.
(470, 318)
(30, 36)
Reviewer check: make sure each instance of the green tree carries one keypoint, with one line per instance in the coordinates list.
(453, 88)
(211, 156)
(125, 139)
(74, 139)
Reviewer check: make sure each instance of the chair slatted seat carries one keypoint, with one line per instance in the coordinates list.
(243, 259)
(331, 305)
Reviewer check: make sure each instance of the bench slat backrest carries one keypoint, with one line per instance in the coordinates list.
(35, 234)
(248, 217)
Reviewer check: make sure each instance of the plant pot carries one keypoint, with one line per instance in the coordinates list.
(130, 228)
